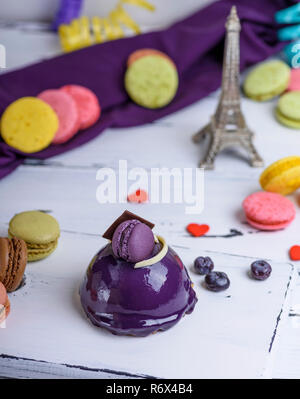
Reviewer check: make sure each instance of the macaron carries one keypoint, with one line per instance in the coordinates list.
(87, 104)
(29, 124)
(13, 260)
(294, 83)
(283, 176)
(132, 241)
(136, 55)
(151, 81)
(267, 80)
(4, 303)
(288, 109)
(39, 230)
(67, 112)
(268, 211)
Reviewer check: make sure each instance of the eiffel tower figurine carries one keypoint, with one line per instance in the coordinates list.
(227, 126)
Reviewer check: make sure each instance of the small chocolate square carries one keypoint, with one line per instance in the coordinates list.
(125, 216)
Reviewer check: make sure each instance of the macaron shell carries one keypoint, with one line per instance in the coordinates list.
(267, 80)
(291, 123)
(10, 265)
(151, 81)
(4, 303)
(87, 104)
(121, 237)
(19, 264)
(34, 227)
(4, 258)
(282, 177)
(4, 311)
(269, 209)
(66, 109)
(3, 294)
(141, 243)
(289, 105)
(268, 96)
(294, 83)
(29, 124)
(136, 55)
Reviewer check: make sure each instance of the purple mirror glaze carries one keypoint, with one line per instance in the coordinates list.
(138, 302)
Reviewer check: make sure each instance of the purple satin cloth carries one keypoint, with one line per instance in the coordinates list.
(195, 44)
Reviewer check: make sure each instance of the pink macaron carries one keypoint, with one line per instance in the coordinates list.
(67, 113)
(294, 84)
(4, 303)
(87, 104)
(268, 211)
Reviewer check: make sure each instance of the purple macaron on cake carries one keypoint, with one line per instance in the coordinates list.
(136, 285)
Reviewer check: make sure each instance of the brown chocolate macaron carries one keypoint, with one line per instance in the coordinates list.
(13, 260)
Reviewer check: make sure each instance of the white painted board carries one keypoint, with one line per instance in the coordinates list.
(229, 335)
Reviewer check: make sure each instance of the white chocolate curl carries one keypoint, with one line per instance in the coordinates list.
(162, 253)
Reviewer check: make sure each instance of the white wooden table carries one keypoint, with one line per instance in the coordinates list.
(67, 184)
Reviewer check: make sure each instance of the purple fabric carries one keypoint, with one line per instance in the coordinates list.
(195, 44)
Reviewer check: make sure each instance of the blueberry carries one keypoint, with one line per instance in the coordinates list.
(217, 281)
(260, 270)
(203, 265)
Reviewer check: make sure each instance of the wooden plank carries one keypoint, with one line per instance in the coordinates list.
(229, 335)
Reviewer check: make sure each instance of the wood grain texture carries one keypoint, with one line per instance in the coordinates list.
(228, 334)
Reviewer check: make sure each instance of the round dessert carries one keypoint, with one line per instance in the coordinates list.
(288, 109)
(136, 55)
(294, 83)
(67, 113)
(4, 303)
(136, 301)
(39, 230)
(268, 211)
(29, 124)
(151, 81)
(267, 80)
(87, 103)
(133, 241)
(283, 176)
(13, 261)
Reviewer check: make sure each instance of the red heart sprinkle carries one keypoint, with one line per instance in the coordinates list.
(197, 230)
(295, 252)
(139, 196)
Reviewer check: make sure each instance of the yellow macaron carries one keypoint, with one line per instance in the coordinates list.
(29, 124)
(283, 176)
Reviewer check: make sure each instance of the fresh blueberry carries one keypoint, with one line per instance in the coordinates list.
(217, 281)
(260, 270)
(203, 265)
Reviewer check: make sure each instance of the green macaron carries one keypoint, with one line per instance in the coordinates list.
(288, 109)
(267, 80)
(151, 81)
(39, 230)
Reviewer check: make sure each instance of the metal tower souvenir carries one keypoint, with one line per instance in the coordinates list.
(227, 126)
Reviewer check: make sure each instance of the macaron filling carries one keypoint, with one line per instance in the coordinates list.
(268, 226)
(124, 234)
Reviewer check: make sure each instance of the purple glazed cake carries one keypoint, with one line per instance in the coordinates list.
(128, 299)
